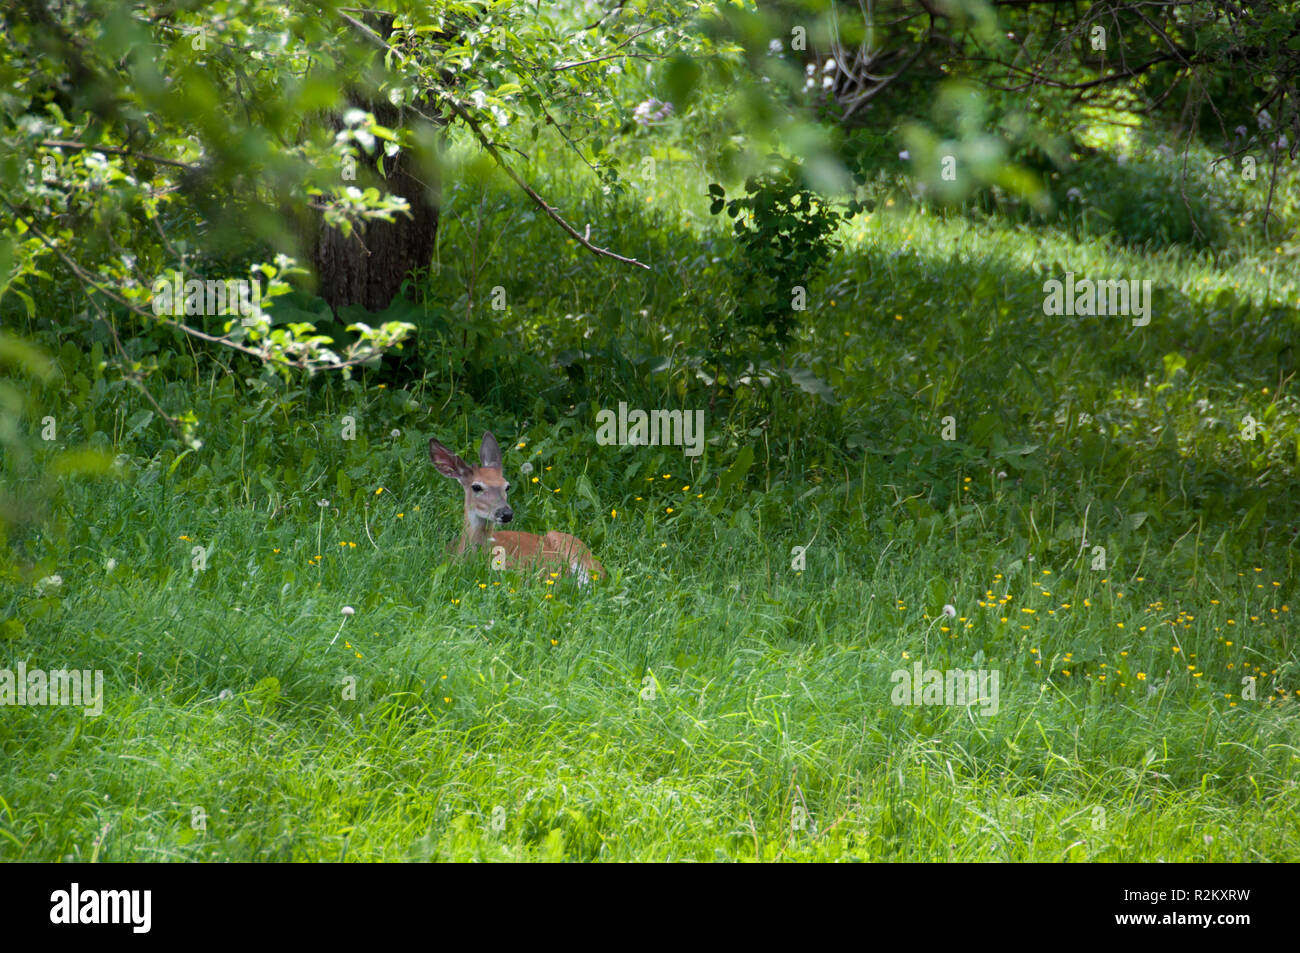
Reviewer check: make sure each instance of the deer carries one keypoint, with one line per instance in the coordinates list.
(486, 507)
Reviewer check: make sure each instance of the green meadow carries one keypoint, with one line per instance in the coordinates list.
(967, 567)
(1106, 539)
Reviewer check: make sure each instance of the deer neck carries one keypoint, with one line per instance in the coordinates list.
(475, 533)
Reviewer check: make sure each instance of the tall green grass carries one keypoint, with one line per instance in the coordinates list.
(709, 700)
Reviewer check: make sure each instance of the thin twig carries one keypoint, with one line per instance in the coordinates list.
(66, 144)
(492, 150)
(90, 281)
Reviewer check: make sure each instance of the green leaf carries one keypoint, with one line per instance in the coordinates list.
(936, 594)
(810, 383)
(736, 473)
(267, 691)
(175, 463)
(139, 420)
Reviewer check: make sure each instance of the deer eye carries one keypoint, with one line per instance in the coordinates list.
(506, 487)
(477, 487)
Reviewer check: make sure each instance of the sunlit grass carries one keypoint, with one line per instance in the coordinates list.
(710, 700)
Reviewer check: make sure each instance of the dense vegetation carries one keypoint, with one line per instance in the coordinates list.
(906, 460)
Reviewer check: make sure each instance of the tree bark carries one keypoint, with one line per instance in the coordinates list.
(368, 268)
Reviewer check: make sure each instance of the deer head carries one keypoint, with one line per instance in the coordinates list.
(485, 486)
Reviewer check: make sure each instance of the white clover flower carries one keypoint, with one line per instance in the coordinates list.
(348, 610)
(905, 156)
(322, 503)
(110, 565)
(49, 582)
(1074, 195)
(226, 695)
(394, 433)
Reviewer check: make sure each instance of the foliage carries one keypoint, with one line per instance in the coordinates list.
(1108, 508)
(136, 144)
(784, 240)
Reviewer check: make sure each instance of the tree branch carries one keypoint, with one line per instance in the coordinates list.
(64, 144)
(460, 112)
(89, 281)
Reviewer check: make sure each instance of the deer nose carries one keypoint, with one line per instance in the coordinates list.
(504, 515)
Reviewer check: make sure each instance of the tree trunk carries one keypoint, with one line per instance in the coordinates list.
(368, 268)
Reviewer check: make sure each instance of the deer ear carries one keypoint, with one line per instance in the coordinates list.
(489, 452)
(447, 463)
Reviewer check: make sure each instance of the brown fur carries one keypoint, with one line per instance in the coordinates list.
(486, 506)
